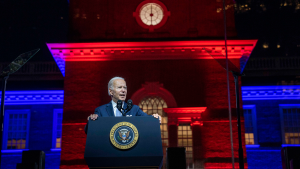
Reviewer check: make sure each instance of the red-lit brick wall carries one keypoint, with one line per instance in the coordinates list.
(113, 19)
(73, 146)
(193, 83)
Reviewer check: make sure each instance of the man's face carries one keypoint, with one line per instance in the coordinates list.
(119, 90)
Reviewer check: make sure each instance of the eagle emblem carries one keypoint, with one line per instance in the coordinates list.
(124, 135)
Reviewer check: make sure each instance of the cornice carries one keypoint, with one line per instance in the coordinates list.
(281, 92)
(34, 97)
(185, 110)
(162, 50)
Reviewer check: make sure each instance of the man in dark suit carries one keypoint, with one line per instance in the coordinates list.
(117, 90)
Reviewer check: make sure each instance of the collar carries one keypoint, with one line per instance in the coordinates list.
(114, 105)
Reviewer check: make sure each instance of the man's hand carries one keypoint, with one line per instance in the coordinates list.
(157, 116)
(93, 117)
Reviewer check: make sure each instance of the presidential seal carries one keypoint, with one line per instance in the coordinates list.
(124, 135)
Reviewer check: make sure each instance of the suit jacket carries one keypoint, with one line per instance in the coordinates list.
(107, 110)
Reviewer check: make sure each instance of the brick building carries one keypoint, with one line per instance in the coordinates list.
(169, 70)
(33, 113)
(271, 122)
(166, 60)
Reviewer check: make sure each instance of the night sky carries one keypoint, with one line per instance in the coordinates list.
(26, 25)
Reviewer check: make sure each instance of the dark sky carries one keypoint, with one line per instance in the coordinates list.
(29, 24)
(26, 25)
(272, 23)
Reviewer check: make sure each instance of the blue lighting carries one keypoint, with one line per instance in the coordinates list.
(61, 64)
(291, 92)
(55, 149)
(290, 145)
(14, 151)
(252, 146)
(261, 150)
(34, 97)
(248, 106)
(270, 87)
(273, 98)
(289, 105)
(31, 103)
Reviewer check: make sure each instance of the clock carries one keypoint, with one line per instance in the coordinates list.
(151, 14)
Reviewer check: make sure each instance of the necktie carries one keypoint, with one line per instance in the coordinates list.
(118, 113)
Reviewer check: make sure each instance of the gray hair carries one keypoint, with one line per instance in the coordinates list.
(111, 83)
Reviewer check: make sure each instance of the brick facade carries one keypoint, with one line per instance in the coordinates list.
(202, 84)
(192, 82)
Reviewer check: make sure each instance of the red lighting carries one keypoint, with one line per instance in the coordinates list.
(162, 50)
(186, 114)
(185, 110)
(221, 165)
(185, 118)
(199, 123)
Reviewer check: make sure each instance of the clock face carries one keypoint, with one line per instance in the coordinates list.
(151, 14)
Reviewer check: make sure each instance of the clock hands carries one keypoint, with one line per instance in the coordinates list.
(151, 14)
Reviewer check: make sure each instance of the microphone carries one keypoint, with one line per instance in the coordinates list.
(129, 105)
(119, 105)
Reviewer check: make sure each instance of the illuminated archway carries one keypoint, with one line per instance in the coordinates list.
(154, 89)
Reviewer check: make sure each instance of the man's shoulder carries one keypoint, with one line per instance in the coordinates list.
(138, 110)
(135, 106)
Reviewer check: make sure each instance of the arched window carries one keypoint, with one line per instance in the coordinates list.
(155, 104)
(152, 98)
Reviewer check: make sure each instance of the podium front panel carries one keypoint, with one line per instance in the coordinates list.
(101, 153)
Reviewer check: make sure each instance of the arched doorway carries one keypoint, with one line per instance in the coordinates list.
(155, 104)
(153, 98)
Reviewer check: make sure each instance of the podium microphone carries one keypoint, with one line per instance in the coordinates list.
(129, 105)
(119, 105)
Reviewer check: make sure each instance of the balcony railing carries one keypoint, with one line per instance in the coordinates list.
(36, 68)
(280, 63)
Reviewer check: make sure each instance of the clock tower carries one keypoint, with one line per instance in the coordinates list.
(149, 19)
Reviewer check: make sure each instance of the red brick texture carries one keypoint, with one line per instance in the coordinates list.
(193, 83)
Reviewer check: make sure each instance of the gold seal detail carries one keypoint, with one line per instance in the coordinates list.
(124, 135)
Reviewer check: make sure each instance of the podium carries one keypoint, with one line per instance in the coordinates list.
(124, 142)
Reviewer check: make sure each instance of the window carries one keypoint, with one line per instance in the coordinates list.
(185, 139)
(152, 105)
(250, 124)
(16, 129)
(57, 128)
(290, 123)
